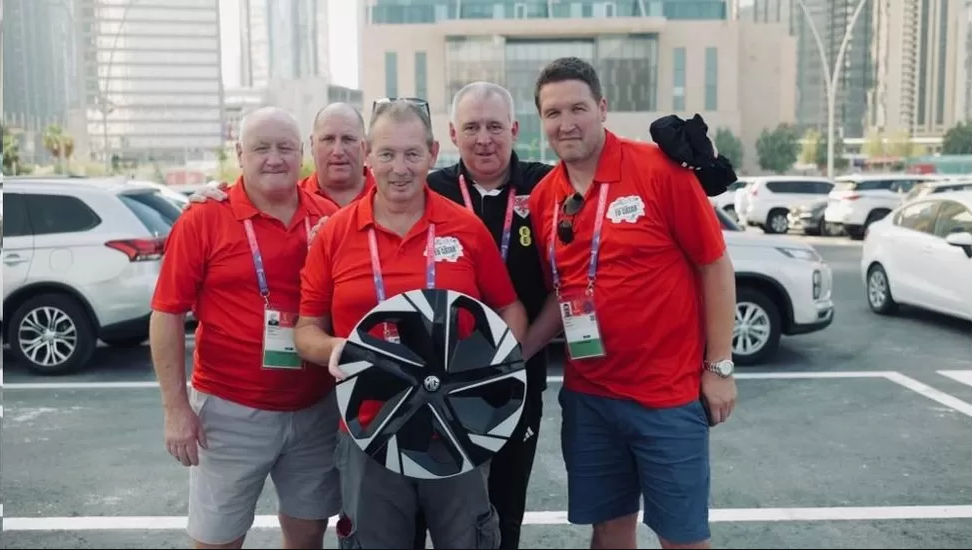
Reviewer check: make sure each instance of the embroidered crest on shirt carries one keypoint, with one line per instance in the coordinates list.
(521, 205)
(447, 249)
(626, 209)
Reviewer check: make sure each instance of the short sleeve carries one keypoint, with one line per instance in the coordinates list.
(492, 277)
(316, 284)
(184, 261)
(690, 215)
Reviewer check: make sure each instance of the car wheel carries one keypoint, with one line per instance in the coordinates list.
(758, 327)
(879, 291)
(52, 334)
(777, 222)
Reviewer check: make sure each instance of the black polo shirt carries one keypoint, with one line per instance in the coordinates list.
(523, 260)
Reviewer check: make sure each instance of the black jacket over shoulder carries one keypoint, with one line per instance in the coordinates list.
(523, 262)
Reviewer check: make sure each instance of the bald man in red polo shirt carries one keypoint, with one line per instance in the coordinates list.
(645, 293)
(255, 408)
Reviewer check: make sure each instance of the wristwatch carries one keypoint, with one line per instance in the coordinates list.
(723, 367)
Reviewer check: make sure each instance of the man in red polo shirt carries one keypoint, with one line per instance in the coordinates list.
(255, 409)
(338, 147)
(645, 292)
(400, 237)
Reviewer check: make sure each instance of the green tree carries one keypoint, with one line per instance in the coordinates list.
(777, 149)
(873, 144)
(729, 146)
(958, 140)
(899, 145)
(60, 145)
(839, 161)
(808, 149)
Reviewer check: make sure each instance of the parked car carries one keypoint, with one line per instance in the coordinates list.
(783, 288)
(858, 200)
(921, 255)
(770, 198)
(808, 218)
(727, 200)
(80, 261)
(925, 188)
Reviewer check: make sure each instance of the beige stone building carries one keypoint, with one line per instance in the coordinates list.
(736, 74)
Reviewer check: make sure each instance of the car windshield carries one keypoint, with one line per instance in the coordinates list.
(158, 211)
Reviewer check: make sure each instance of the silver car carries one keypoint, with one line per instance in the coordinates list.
(80, 262)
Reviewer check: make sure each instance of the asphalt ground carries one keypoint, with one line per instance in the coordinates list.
(859, 436)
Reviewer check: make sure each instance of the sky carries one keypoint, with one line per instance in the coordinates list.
(343, 31)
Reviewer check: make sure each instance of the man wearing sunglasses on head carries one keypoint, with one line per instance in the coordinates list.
(644, 291)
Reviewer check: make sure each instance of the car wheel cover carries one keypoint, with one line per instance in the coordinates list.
(447, 404)
(779, 223)
(752, 329)
(47, 336)
(877, 288)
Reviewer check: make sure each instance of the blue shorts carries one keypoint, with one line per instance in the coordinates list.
(617, 451)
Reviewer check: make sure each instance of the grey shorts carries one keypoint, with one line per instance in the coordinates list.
(380, 506)
(296, 449)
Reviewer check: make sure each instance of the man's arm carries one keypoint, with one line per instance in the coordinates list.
(167, 340)
(313, 340)
(719, 296)
(515, 316)
(545, 328)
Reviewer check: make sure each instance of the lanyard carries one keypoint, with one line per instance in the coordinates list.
(595, 242)
(258, 258)
(376, 262)
(507, 222)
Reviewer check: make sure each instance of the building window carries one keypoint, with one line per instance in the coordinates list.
(391, 74)
(421, 76)
(678, 80)
(711, 79)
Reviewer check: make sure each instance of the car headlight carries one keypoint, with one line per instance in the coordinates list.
(807, 254)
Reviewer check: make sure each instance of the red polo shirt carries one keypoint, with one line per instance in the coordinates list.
(208, 268)
(311, 185)
(659, 227)
(337, 280)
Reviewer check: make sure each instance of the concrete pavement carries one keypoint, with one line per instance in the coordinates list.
(857, 436)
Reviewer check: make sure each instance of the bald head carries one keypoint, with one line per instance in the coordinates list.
(343, 111)
(257, 121)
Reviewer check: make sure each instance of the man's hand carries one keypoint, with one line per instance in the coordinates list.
(317, 227)
(217, 193)
(332, 365)
(719, 396)
(182, 431)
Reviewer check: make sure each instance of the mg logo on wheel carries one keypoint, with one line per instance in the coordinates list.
(431, 383)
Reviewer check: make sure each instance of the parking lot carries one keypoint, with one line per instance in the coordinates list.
(856, 436)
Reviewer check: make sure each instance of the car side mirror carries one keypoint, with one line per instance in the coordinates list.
(961, 239)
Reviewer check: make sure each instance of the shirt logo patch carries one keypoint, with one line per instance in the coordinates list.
(626, 209)
(521, 205)
(447, 249)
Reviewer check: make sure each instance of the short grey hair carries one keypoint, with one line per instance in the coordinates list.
(482, 90)
(403, 110)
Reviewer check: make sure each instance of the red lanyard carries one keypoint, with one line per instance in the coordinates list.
(258, 258)
(507, 222)
(376, 262)
(595, 241)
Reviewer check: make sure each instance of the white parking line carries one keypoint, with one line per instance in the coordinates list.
(963, 376)
(550, 379)
(723, 515)
(931, 393)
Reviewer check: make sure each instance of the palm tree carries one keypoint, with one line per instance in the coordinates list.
(60, 145)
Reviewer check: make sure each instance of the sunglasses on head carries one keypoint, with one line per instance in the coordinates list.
(381, 103)
(570, 208)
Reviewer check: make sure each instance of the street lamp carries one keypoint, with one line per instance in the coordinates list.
(105, 104)
(831, 78)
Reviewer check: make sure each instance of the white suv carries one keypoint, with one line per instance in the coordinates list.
(859, 200)
(769, 199)
(80, 261)
(783, 287)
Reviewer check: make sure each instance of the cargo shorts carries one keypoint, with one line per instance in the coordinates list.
(296, 449)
